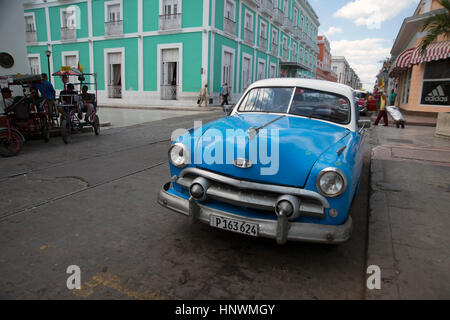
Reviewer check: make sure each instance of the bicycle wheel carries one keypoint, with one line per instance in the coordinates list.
(11, 146)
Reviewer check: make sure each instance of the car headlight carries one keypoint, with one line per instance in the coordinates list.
(331, 182)
(179, 155)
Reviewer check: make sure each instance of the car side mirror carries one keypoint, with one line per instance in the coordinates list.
(364, 124)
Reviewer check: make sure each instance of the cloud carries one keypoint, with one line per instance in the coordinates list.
(372, 13)
(332, 30)
(363, 56)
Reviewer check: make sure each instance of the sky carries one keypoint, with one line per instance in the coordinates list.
(362, 30)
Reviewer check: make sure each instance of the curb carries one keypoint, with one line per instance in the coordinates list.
(172, 108)
(379, 244)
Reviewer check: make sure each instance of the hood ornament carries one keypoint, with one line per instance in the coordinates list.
(242, 163)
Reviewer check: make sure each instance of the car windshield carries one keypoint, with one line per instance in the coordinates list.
(306, 102)
(273, 100)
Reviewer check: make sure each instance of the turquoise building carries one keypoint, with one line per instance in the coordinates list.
(157, 52)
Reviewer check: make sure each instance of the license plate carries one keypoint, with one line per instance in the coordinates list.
(233, 225)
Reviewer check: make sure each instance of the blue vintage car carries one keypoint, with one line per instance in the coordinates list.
(284, 164)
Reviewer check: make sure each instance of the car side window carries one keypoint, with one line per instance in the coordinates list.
(321, 105)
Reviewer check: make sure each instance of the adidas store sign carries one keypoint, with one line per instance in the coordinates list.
(435, 94)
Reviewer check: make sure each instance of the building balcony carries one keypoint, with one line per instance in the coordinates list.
(278, 16)
(113, 28)
(30, 36)
(229, 26)
(263, 43)
(68, 34)
(288, 24)
(297, 33)
(306, 41)
(325, 68)
(265, 6)
(170, 21)
(274, 50)
(248, 36)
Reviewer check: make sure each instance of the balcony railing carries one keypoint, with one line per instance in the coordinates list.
(114, 92)
(68, 33)
(266, 6)
(263, 43)
(30, 36)
(229, 26)
(248, 36)
(170, 21)
(278, 16)
(169, 92)
(274, 50)
(288, 24)
(306, 40)
(113, 28)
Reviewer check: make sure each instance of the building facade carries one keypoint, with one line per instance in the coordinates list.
(345, 74)
(422, 82)
(324, 61)
(163, 51)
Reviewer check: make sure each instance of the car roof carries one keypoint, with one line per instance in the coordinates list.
(314, 84)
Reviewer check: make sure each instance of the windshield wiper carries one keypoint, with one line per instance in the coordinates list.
(253, 132)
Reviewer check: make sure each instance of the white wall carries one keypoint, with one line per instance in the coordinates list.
(12, 26)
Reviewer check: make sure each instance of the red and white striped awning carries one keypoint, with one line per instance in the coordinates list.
(435, 51)
(402, 62)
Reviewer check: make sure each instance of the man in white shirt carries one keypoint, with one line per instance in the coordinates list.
(6, 99)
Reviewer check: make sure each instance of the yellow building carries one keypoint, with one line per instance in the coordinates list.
(422, 81)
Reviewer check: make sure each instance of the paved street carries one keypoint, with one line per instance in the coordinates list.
(92, 203)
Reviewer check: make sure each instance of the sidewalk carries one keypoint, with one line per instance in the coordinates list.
(409, 219)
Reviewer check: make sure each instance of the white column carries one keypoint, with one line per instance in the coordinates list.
(91, 43)
(140, 49)
(205, 42)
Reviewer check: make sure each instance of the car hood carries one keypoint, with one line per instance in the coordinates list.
(287, 147)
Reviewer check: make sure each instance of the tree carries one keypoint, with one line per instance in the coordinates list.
(435, 26)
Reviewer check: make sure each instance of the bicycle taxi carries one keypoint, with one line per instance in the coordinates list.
(24, 116)
(73, 101)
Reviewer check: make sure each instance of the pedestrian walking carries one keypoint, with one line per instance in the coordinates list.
(225, 93)
(382, 112)
(203, 96)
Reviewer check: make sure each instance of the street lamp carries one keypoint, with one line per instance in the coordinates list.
(48, 53)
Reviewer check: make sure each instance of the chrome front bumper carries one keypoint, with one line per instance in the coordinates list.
(295, 231)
